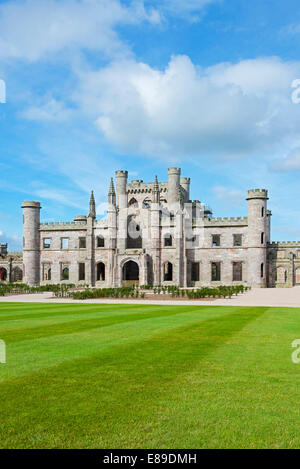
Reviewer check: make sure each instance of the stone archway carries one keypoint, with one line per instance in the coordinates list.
(17, 274)
(130, 273)
(3, 274)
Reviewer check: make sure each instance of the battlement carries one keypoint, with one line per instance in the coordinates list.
(284, 244)
(257, 194)
(138, 186)
(53, 226)
(232, 221)
(175, 171)
(31, 204)
(121, 173)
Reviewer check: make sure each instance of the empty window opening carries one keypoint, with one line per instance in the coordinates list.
(195, 272)
(64, 243)
(216, 271)
(81, 271)
(100, 272)
(82, 243)
(237, 271)
(237, 240)
(216, 240)
(168, 241)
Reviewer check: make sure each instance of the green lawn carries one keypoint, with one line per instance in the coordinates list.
(121, 376)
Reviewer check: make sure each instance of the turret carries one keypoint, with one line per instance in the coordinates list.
(185, 184)
(121, 180)
(92, 206)
(111, 193)
(173, 185)
(258, 236)
(155, 192)
(31, 242)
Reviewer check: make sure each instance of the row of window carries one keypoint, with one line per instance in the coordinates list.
(237, 272)
(168, 241)
(64, 243)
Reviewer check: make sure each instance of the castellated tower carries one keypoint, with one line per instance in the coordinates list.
(121, 183)
(258, 237)
(173, 185)
(185, 184)
(31, 242)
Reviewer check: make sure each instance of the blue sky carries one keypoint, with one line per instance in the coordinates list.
(98, 85)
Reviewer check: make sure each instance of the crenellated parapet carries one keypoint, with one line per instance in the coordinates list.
(284, 244)
(141, 187)
(257, 194)
(232, 221)
(63, 226)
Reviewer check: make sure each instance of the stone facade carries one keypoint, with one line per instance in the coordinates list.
(11, 265)
(154, 234)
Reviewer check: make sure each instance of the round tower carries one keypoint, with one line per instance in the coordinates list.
(258, 237)
(31, 242)
(185, 184)
(173, 185)
(121, 183)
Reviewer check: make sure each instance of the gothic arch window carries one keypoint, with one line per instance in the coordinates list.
(65, 273)
(147, 203)
(133, 203)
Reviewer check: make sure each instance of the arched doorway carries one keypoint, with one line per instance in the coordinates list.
(130, 273)
(17, 274)
(100, 272)
(3, 274)
(168, 272)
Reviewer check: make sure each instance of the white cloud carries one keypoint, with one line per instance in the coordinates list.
(185, 110)
(33, 29)
(229, 197)
(291, 162)
(49, 110)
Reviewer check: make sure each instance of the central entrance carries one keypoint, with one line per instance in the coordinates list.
(130, 273)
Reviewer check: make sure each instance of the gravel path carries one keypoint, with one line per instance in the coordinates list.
(286, 297)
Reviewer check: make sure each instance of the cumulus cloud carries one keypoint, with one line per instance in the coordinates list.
(32, 29)
(186, 110)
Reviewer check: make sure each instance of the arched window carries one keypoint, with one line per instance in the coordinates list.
(262, 211)
(100, 272)
(65, 273)
(100, 242)
(168, 272)
(262, 238)
(147, 203)
(133, 203)
(262, 270)
(168, 240)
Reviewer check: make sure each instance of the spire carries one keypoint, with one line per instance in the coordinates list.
(156, 191)
(112, 193)
(92, 212)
